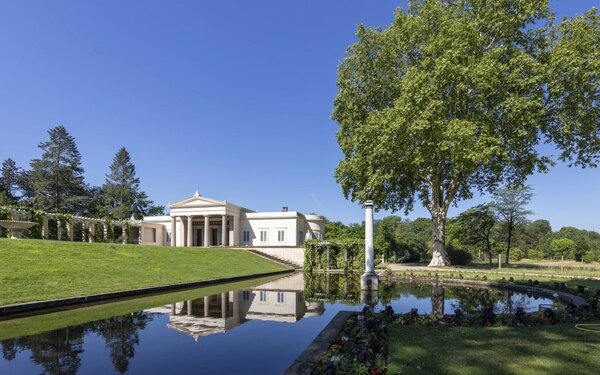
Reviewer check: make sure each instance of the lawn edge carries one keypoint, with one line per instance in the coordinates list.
(33, 306)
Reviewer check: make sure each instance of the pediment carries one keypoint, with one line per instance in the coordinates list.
(196, 201)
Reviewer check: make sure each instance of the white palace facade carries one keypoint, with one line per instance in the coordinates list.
(205, 222)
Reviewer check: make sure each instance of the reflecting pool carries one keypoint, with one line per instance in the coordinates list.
(250, 327)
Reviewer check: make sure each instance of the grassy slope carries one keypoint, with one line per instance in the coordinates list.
(40, 323)
(33, 270)
(500, 350)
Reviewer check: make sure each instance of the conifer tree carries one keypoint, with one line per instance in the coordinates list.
(121, 190)
(57, 177)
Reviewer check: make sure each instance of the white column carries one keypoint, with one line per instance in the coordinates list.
(58, 230)
(224, 230)
(173, 230)
(236, 230)
(206, 231)
(71, 230)
(105, 232)
(124, 233)
(369, 246)
(206, 306)
(141, 233)
(224, 305)
(45, 228)
(92, 232)
(189, 231)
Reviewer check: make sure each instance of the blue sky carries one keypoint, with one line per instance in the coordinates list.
(231, 98)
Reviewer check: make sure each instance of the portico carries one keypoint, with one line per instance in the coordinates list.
(200, 221)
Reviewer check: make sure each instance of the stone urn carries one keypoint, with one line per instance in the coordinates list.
(16, 227)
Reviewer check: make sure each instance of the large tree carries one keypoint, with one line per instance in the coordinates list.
(10, 178)
(510, 205)
(477, 227)
(455, 96)
(121, 191)
(57, 177)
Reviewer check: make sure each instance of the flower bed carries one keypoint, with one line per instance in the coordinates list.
(360, 346)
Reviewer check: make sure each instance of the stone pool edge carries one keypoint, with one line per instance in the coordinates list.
(308, 359)
(27, 307)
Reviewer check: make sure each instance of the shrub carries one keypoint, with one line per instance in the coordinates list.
(535, 254)
(589, 257)
(458, 257)
(343, 254)
(516, 254)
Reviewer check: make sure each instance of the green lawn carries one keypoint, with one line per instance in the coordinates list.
(500, 350)
(34, 270)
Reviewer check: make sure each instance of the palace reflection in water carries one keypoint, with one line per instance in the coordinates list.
(280, 300)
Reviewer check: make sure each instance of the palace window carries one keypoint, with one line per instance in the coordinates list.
(263, 236)
(280, 297)
(246, 295)
(246, 235)
(281, 235)
(263, 296)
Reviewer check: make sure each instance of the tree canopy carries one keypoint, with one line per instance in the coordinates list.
(57, 177)
(455, 97)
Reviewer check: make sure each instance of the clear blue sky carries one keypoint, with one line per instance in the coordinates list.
(231, 98)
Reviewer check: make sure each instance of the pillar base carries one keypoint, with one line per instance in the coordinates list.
(369, 281)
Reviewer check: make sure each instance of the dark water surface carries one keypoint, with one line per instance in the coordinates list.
(255, 327)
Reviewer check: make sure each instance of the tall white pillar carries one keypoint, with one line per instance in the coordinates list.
(71, 230)
(206, 306)
(206, 231)
(92, 232)
(123, 227)
(59, 230)
(189, 231)
(45, 228)
(236, 230)
(224, 234)
(173, 230)
(369, 280)
(105, 232)
(224, 305)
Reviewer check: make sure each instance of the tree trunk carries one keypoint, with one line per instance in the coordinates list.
(439, 256)
(508, 242)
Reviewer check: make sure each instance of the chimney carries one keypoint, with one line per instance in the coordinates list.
(284, 209)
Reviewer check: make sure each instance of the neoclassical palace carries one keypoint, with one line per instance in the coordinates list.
(201, 221)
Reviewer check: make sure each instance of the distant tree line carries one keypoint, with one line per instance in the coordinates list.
(479, 234)
(55, 183)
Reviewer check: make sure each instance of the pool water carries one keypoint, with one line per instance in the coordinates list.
(240, 328)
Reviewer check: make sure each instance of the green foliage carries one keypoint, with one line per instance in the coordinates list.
(455, 97)
(516, 254)
(386, 241)
(459, 257)
(57, 177)
(343, 254)
(319, 286)
(477, 226)
(337, 229)
(510, 204)
(535, 254)
(121, 191)
(10, 179)
(563, 247)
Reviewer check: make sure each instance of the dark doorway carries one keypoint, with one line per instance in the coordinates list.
(214, 236)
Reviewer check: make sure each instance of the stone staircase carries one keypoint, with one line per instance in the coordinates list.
(286, 263)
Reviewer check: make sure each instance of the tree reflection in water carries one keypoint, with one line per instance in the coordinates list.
(58, 351)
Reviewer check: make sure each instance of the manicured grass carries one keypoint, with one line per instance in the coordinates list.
(45, 322)
(499, 350)
(34, 270)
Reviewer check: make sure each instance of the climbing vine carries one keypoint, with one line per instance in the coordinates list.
(346, 255)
